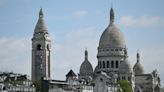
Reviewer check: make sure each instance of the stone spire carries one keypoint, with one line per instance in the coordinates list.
(86, 55)
(41, 24)
(41, 13)
(138, 56)
(111, 15)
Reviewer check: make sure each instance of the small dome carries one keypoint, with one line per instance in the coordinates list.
(112, 37)
(41, 24)
(86, 67)
(138, 69)
(125, 67)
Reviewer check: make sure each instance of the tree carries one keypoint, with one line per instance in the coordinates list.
(37, 84)
(125, 85)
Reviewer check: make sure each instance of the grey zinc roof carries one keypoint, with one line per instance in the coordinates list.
(70, 73)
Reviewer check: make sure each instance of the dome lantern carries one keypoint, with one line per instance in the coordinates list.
(111, 15)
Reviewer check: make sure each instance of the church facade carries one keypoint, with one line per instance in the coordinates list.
(113, 65)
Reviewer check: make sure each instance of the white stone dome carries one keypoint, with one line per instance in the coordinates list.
(138, 68)
(86, 67)
(112, 37)
(125, 66)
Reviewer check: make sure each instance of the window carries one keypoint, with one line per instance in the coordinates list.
(123, 77)
(39, 47)
(107, 64)
(129, 78)
(112, 64)
(103, 64)
(101, 79)
(48, 47)
(100, 64)
(116, 64)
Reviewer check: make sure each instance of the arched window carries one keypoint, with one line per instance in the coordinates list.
(129, 78)
(116, 64)
(39, 47)
(101, 79)
(48, 47)
(123, 78)
(112, 64)
(107, 64)
(100, 64)
(103, 64)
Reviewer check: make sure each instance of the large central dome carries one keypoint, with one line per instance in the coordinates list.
(112, 36)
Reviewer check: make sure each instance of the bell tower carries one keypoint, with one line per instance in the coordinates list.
(41, 45)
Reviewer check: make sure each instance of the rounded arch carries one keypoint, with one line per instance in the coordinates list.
(107, 64)
(116, 64)
(112, 64)
(100, 64)
(103, 64)
(39, 47)
(48, 47)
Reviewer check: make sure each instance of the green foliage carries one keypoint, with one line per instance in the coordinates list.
(125, 85)
(14, 82)
(37, 84)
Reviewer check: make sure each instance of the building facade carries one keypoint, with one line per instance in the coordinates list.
(113, 65)
(13, 82)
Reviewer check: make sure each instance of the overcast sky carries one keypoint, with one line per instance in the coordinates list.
(78, 24)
